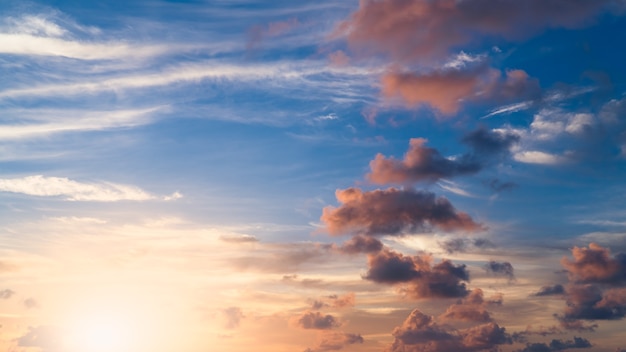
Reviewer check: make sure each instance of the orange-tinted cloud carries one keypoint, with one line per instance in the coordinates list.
(407, 30)
(420, 332)
(421, 278)
(361, 244)
(420, 163)
(333, 341)
(445, 90)
(393, 212)
(595, 265)
(472, 308)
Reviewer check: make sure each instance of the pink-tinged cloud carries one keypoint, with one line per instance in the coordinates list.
(595, 265)
(393, 212)
(258, 33)
(445, 90)
(417, 274)
(407, 30)
(421, 333)
(420, 163)
(346, 301)
(472, 308)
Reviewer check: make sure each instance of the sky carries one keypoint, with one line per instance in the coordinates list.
(331, 175)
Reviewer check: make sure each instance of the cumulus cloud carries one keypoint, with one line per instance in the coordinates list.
(420, 332)
(595, 265)
(421, 279)
(445, 90)
(393, 212)
(316, 321)
(239, 239)
(471, 308)
(420, 163)
(429, 30)
(500, 268)
(43, 186)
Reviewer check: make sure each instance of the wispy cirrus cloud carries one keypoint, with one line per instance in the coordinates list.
(65, 188)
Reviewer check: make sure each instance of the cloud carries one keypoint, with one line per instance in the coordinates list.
(393, 212)
(589, 302)
(421, 333)
(539, 157)
(239, 239)
(464, 244)
(445, 90)
(6, 294)
(40, 123)
(333, 341)
(595, 265)
(490, 142)
(31, 303)
(47, 338)
(429, 30)
(557, 345)
(232, 317)
(500, 268)
(500, 186)
(420, 163)
(421, 279)
(316, 321)
(553, 290)
(471, 308)
(43, 186)
(361, 244)
(345, 301)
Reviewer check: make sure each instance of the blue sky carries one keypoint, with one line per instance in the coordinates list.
(312, 176)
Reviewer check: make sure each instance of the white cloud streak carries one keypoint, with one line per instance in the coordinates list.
(42, 186)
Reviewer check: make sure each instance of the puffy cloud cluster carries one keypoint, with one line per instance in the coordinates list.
(595, 265)
(500, 268)
(472, 308)
(316, 321)
(409, 30)
(422, 163)
(596, 290)
(393, 212)
(421, 278)
(421, 332)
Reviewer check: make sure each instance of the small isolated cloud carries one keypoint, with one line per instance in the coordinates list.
(490, 142)
(421, 279)
(553, 290)
(420, 163)
(231, 317)
(393, 212)
(539, 157)
(31, 303)
(42, 186)
(6, 294)
(500, 268)
(465, 244)
(45, 337)
(316, 321)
